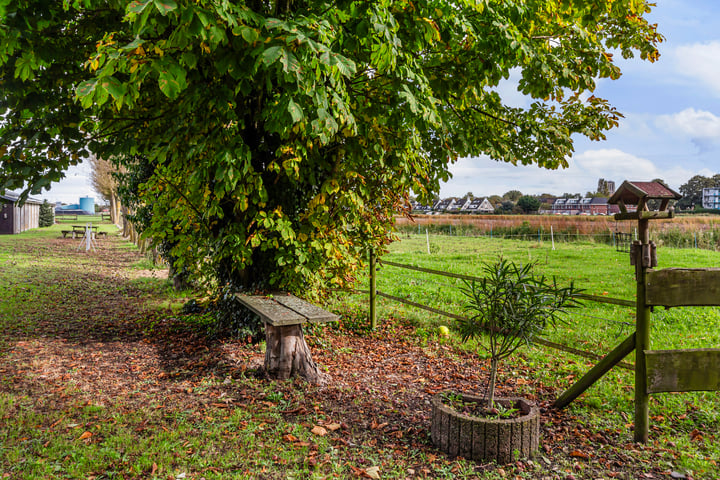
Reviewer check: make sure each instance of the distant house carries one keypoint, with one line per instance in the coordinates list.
(459, 205)
(444, 205)
(16, 219)
(419, 208)
(479, 205)
(583, 206)
(711, 198)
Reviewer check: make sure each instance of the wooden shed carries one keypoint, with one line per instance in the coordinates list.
(15, 218)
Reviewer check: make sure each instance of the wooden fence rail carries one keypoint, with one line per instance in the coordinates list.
(583, 296)
(542, 341)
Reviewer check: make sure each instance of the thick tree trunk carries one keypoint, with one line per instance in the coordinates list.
(287, 355)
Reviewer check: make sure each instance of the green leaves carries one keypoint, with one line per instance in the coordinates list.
(272, 54)
(171, 78)
(137, 6)
(295, 111)
(165, 6)
(322, 116)
(25, 67)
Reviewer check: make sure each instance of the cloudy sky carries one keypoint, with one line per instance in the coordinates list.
(671, 128)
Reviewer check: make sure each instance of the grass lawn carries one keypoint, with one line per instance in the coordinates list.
(101, 376)
(677, 419)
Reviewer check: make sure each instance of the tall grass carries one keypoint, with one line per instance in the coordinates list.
(680, 232)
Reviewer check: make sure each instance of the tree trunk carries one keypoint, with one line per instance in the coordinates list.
(180, 279)
(114, 208)
(491, 383)
(287, 355)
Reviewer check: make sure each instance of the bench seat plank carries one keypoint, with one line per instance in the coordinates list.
(270, 311)
(284, 309)
(312, 313)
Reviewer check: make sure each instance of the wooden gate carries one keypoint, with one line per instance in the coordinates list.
(663, 370)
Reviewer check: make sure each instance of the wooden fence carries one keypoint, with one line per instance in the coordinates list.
(374, 293)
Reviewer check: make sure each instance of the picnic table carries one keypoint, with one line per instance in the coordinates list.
(287, 354)
(79, 231)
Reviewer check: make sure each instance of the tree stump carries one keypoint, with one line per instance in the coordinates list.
(288, 355)
(486, 439)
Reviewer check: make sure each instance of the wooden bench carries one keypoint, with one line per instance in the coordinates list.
(287, 354)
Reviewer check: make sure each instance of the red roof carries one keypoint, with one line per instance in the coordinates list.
(654, 189)
(631, 192)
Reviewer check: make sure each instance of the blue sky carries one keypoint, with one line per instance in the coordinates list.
(671, 128)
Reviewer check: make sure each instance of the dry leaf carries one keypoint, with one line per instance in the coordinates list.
(333, 426)
(373, 472)
(579, 454)
(85, 435)
(318, 430)
(289, 438)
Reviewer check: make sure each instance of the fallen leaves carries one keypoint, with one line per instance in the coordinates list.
(370, 472)
(579, 454)
(318, 430)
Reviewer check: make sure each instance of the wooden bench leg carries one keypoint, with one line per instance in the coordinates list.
(288, 355)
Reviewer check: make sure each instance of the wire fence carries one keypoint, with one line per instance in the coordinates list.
(439, 311)
(706, 238)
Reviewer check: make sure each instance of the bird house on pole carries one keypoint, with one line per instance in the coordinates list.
(634, 198)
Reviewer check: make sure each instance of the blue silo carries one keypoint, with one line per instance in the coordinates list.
(87, 204)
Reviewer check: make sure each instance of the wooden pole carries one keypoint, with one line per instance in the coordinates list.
(373, 291)
(642, 339)
(604, 366)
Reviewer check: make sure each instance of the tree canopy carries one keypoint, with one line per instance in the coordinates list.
(271, 142)
(692, 190)
(528, 203)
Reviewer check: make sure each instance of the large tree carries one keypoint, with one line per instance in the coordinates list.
(528, 204)
(692, 190)
(276, 139)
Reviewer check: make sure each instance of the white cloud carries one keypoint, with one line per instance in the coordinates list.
(76, 184)
(614, 163)
(485, 177)
(699, 61)
(702, 127)
(618, 165)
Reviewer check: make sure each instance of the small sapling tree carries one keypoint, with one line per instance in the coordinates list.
(508, 308)
(47, 215)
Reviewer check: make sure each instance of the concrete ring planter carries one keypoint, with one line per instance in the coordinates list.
(486, 439)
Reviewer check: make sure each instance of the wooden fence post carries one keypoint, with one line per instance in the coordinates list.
(642, 338)
(373, 291)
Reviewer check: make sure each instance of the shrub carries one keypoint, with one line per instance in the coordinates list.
(508, 308)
